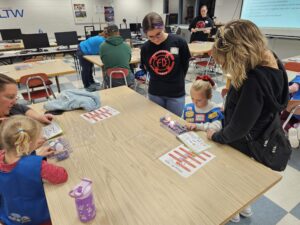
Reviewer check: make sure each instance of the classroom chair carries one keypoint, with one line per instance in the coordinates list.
(37, 86)
(117, 73)
(205, 64)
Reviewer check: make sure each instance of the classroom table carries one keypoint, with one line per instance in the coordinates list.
(195, 49)
(200, 48)
(11, 46)
(12, 55)
(132, 186)
(135, 57)
(53, 68)
(4, 46)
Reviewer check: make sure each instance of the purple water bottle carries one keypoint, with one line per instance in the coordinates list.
(84, 200)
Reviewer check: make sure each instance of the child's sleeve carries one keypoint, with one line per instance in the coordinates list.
(53, 174)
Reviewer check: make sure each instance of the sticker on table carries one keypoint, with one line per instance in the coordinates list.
(100, 114)
(184, 161)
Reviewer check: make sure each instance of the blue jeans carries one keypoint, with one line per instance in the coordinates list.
(174, 105)
(86, 70)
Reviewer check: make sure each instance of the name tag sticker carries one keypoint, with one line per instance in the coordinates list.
(174, 50)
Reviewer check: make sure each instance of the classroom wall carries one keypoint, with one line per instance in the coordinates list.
(227, 10)
(57, 15)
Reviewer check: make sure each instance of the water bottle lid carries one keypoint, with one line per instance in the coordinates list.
(83, 188)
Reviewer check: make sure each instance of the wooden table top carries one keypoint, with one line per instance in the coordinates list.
(195, 49)
(200, 48)
(132, 186)
(135, 57)
(20, 45)
(11, 46)
(53, 67)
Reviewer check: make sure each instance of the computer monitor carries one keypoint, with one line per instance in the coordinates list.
(172, 18)
(66, 38)
(168, 29)
(95, 32)
(135, 27)
(125, 33)
(11, 34)
(38, 41)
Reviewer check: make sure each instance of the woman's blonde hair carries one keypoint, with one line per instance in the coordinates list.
(204, 86)
(239, 47)
(17, 132)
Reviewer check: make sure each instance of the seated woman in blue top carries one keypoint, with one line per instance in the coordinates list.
(89, 47)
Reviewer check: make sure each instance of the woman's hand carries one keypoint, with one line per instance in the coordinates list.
(45, 151)
(210, 133)
(46, 118)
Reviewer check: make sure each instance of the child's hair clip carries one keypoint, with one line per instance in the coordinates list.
(208, 79)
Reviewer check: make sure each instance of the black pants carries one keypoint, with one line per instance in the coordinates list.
(86, 70)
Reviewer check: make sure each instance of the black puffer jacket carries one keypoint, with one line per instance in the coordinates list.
(251, 107)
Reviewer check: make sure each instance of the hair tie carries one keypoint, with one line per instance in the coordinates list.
(20, 130)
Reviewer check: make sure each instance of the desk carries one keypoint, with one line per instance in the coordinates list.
(132, 186)
(10, 55)
(195, 49)
(200, 48)
(17, 46)
(53, 68)
(11, 46)
(135, 58)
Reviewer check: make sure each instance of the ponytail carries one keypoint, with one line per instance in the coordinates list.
(22, 142)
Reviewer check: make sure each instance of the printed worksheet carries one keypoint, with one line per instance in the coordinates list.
(185, 162)
(100, 114)
(193, 141)
(52, 130)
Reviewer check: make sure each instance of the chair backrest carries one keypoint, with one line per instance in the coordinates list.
(292, 66)
(117, 72)
(34, 80)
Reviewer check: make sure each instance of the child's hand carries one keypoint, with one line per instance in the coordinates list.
(191, 126)
(45, 151)
(294, 88)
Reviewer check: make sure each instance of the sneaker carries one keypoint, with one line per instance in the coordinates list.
(246, 212)
(90, 89)
(96, 86)
(293, 137)
(236, 218)
(93, 87)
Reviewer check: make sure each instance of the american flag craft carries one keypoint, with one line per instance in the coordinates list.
(185, 162)
(100, 114)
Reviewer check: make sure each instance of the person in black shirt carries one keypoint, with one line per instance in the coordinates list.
(166, 57)
(200, 22)
(258, 90)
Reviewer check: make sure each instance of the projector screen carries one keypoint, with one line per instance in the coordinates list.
(275, 17)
